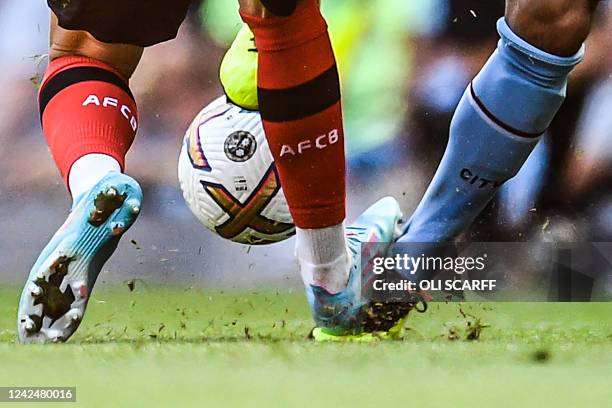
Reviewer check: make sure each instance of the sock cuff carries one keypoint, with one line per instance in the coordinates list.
(279, 33)
(555, 64)
(72, 61)
(522, 86)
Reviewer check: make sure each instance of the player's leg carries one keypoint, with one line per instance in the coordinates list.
(89, 119)
(299, 100)
(299, 105)
(503, 113)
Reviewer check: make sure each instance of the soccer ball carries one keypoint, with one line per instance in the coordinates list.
(228, 177)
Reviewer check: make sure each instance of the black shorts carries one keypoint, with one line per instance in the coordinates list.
(136, 22)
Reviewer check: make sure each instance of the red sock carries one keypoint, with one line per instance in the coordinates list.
(299, 99)
(86, 106)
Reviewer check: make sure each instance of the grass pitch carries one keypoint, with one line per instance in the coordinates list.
(172, 347)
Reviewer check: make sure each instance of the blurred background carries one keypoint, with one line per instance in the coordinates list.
(404, 66)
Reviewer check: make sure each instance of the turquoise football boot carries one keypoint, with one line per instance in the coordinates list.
(347, 316)
(55, 296)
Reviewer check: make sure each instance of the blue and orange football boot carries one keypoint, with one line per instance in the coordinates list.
(348, 316)
(55, 296)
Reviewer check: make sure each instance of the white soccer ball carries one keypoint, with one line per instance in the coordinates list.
(228, 177)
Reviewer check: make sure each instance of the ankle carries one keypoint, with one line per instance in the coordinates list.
(87, 171)
(323, 257)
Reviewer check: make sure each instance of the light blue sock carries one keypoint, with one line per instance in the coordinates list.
(495, 127)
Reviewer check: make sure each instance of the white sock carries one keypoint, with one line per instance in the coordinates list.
(323, 257)
(87, 171)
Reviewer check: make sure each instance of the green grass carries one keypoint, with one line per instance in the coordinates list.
(178, 348)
